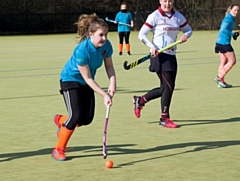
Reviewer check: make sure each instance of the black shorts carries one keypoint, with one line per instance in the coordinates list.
(223, 48)
(163, 63)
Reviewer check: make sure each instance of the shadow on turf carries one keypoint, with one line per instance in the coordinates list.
(235, 86)
(123, 149)
(47, 151)
(177, 52)
(122, 90)
(202, 122)
(26, 97)
(187, 51)
(199, 146)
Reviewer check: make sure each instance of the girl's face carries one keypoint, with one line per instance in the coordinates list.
(166, 5)
(123, 7)
(234, 11)
(99, 37)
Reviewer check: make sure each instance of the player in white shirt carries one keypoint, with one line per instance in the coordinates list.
(165, 23)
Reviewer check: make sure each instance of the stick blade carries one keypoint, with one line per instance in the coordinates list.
(104, 151)
(104, 156)
(126, 66)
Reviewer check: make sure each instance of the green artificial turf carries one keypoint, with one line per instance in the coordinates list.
(205, 147)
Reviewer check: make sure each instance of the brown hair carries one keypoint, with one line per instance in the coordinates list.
(123, 3)
(88, 23)
(230, 7)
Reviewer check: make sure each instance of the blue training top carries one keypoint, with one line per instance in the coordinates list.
(85, 54)
(125, 18)
(226, 28)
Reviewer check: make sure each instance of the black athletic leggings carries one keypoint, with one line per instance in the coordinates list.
(125, 35)
(167, 84)
(80, 103)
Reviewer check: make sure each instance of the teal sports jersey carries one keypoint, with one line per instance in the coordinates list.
(124, 18)
(85, 54)
(226, 28)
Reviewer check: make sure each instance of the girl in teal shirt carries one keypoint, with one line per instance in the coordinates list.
(124, 16)
(77, 79)
(223, 46)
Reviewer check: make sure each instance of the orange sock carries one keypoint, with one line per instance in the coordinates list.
(64, 136)
(128, 47)
(62, 119)
(120, 47)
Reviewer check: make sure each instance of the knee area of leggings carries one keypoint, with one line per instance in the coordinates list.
(72, 123)
(169, 88)
(74, 120)
(80, 119)
(70, 126)
(80, 124)
(85, 123)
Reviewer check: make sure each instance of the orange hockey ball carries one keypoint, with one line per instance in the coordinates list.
(109, 164)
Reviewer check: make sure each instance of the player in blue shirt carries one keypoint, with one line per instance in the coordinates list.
(77, 79)
(223, 45)
(124, 16)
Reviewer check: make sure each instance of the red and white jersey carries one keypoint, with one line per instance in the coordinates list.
(165, 28)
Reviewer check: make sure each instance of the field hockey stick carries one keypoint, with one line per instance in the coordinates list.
(143, 59)
(105, 133)
(118, 22)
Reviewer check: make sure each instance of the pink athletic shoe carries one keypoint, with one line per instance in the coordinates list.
(168, 123)
(137, 106)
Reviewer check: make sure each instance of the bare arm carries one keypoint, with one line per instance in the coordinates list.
(85, 72)
(132, 24)
(111, 75)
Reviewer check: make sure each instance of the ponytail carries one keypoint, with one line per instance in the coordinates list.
(88, 23)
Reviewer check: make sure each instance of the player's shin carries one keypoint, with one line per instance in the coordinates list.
(58, 151)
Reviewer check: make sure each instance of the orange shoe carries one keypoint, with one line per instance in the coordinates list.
(56, 121)
(58, 154)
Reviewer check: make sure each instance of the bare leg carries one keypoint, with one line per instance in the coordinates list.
(223, 62)
(226, 67)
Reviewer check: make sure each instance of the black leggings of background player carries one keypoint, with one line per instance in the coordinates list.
(165, 91)
(165, 67)
(123, 35)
